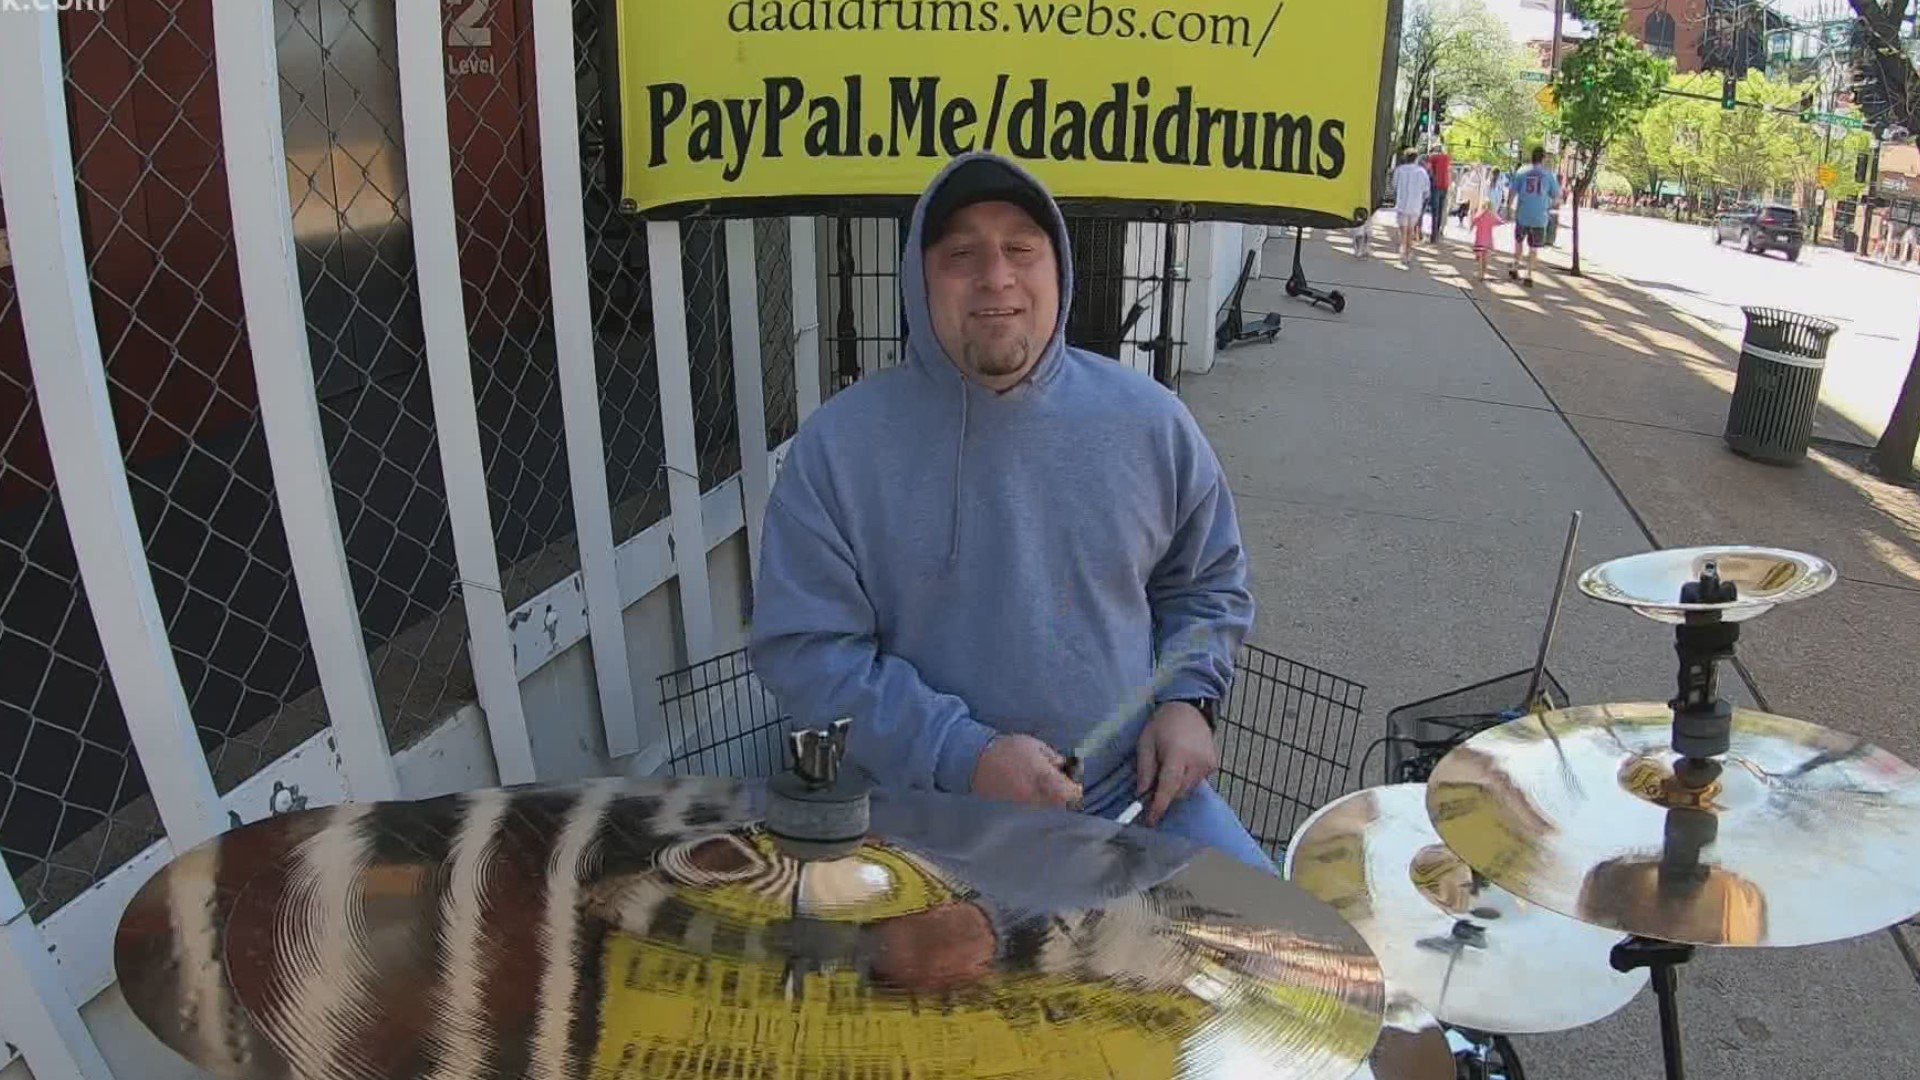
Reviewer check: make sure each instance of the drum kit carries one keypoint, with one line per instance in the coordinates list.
(808, 927)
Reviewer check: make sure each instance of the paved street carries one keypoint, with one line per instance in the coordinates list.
(1877, 307)
(1404, 471)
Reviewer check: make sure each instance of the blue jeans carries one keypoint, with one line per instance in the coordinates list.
(1203, 817)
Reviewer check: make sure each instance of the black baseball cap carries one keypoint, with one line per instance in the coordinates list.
(983, 180)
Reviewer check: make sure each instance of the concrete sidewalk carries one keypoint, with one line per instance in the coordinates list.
(1404, 473)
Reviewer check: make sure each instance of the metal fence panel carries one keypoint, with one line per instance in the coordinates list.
(347, 174)
(773, 265)
(716, 432)
(143, 119)
(67, 768)
(618, 289)
(492, 127)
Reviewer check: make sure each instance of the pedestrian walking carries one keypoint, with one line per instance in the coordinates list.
(1536, 197)
(1440, 168)
(1484, 223)
(1411, 187)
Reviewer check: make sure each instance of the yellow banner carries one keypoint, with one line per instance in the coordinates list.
(1254, 109)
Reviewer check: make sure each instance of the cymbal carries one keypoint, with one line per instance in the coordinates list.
(1650, 582)
(1471, 952)
(1806, 835)
(1412, 1045)
(653, 928)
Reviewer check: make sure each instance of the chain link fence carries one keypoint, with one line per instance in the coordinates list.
(66, 765)
(492, 127)
(157, 239)
(619, 296)
(716, 424)
(773, 264)
(341, 114)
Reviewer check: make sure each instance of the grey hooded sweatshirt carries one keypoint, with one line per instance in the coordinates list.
(942, 562)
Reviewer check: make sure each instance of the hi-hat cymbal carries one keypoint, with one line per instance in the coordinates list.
(1469, 951)
(654, 929)
(1806, 835)
(1650, 582)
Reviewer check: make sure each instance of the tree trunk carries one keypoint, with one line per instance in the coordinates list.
(1577, 191)
(1410, 116)
(1893, 457)
(1582, 179)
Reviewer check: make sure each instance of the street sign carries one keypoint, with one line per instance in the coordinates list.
(1825, 175)
(1849, 122)
(1534, 76)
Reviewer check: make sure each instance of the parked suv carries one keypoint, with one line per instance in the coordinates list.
(1761, 229)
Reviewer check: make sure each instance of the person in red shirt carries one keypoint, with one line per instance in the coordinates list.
(1440, 164)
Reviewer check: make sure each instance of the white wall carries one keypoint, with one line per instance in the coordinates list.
(1216, 250)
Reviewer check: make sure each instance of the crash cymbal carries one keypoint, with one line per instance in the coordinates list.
(1804, 835)
(1650, 583)
(1468, 950)
(655, 929)
(1412, 1045)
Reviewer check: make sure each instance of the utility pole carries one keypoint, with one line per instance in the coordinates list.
(1553, 55)
(1865, 246)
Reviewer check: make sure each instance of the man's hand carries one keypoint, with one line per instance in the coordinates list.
(1176, 753)
(1022, 769)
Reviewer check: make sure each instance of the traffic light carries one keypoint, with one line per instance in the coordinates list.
(1806, 107)
(1729, 91)
(1860, 169)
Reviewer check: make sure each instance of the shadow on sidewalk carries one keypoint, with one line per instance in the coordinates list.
(1647, 389)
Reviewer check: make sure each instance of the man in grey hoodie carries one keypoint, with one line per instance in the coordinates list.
(982, 554)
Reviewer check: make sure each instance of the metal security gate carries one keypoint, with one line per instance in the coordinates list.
(341, 398)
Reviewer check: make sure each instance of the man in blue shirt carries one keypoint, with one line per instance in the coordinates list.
(1535, 192)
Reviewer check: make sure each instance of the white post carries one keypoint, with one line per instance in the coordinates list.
(250, 121)
(750, 400)
(806, 316)
(673, 362)
(1201, 301)
(423, 102)
(579, 384)
(63, 350)
(36, 1012)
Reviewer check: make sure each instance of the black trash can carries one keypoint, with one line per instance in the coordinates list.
(1782, 359)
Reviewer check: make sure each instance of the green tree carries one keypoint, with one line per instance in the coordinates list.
(1752, 147)
(1639, 158)
(1602, 91)
(1454, 53)
(1488, 133)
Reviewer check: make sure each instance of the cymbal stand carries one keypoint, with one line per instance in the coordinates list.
(1660, 958)
(1482, 1055)
(1553, 614)
(1702, 719)
(815, 808)
(1702, 732)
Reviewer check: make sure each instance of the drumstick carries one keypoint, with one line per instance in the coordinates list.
(1116, 721)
